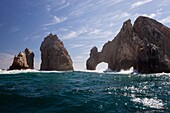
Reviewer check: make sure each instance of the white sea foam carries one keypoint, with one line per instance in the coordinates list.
(152, 102)
(91, 71)
(156, 74)
(109, 71)
(27, 71)
(129, 71)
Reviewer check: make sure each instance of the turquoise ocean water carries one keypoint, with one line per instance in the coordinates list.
(83, 92)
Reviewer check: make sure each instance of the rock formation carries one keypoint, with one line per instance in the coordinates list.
(144, 46)
(24, 60)
(54, 55)
(30, 58)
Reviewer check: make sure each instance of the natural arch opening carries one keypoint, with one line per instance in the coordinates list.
(102, 66)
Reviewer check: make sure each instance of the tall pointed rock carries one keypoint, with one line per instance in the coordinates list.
(54, 55)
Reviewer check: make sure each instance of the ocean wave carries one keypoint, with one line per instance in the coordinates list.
(131, 71)
(28, 71)
(109, 71)
(152, 102)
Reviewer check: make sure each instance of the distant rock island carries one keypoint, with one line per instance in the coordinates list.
(24, 60)
(54, 55)
(144, 46)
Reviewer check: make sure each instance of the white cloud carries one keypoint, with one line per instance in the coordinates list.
(5, 60)
(165, 20)
(139, 3)
(152, 15)
(56, 20)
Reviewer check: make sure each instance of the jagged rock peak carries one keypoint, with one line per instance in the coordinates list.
(144, 46)
(30, 58)
(54, 55)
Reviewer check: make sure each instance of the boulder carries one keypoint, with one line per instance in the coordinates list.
(54, 55)
(144, 46)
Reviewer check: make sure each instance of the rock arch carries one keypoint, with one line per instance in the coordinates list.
(144, 46)
(102, 66)
(118, 53)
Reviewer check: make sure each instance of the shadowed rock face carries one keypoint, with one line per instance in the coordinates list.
(145, 46)
(24, 60)
(54, 55)
(30, 58)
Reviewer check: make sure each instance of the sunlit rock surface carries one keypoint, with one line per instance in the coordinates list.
(54, 55)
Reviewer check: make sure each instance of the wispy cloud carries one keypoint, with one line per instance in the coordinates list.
(74, 34)
(57, 5)
(95, 31)
(36, 37)
(82, 8)
(165, 20)
(56, 20)
(62, 7)
(164, 3)
(5, 60)
(152, 15)
(121, 15)
(79, 58)
(48, 7)
(13, 29)
(139, 3)
(76, 46)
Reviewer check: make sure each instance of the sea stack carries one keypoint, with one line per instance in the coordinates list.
(144, 46)
(30, 58)
(54, 55)
(24, 60)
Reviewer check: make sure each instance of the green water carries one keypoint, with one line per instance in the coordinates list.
(84, 92)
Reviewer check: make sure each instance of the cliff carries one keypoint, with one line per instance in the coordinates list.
(144, 46)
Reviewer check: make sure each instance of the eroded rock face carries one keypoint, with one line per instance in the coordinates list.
(30, 58)
(144, 46)
(24, 60)
(54, 55)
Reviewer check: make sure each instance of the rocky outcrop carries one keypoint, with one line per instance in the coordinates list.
(144, 46)
(30, 58)
(24, 60)
(54, 55)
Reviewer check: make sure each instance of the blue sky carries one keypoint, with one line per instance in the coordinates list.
(80, 24)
